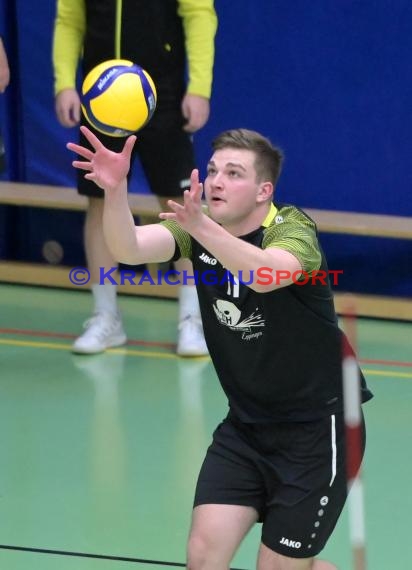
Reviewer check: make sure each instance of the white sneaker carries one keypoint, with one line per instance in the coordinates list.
(103, 330)
(191, 340)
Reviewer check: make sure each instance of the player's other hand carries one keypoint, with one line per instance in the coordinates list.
(104, 167)
(67, 105)
(196, 111)
(189, 214)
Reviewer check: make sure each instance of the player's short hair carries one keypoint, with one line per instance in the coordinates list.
(269, 158)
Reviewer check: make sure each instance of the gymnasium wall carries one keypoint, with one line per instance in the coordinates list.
(328, 80)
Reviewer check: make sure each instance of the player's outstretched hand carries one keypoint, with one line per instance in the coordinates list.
(106, 168)
(189, 214)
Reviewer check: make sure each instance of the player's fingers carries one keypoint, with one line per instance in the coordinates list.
(81, 150)
(175, 206)
(200, 190)
(128, 146)
(82, 165)
(188, 196)
(93, 140)
(196, 187)
(194, 178)
(167, 216)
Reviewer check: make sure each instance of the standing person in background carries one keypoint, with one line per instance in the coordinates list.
(4, 81)
(171, 39)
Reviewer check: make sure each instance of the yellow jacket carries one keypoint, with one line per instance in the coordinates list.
(199, 22)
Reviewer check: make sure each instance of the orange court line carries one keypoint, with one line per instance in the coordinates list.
(56, 346)
(48, 334)
(150, 354)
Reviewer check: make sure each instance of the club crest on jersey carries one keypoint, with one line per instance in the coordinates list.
(230, 316)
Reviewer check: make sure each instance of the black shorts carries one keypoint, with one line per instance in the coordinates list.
(165, 151)
(293, 474)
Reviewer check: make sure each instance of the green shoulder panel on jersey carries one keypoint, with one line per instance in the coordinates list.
(182, 238)
(294, 232)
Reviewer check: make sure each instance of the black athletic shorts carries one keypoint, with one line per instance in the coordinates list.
(293, 474)
(165, 151)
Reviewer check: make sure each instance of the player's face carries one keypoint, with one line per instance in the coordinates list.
(231, 187)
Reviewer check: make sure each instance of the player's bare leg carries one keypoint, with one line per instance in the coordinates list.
(270, 560)
(191, 340)
(105, 328)
(97, 253)
(216, 533)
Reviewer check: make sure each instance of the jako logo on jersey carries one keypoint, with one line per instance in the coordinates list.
(207, 259)
(290, 543)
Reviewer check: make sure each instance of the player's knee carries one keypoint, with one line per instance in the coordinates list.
(197, 551)
(203, 554)
(323, 565)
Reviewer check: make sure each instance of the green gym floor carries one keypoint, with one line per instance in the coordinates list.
(99, 454)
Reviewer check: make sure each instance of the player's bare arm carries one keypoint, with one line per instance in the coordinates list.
(127, 243)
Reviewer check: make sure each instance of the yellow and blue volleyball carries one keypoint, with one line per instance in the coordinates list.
(118, 97)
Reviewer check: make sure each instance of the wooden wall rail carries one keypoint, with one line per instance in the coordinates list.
(331, 221)
(328, 221)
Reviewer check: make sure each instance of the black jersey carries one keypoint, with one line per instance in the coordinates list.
(144, 29)
(278, 355)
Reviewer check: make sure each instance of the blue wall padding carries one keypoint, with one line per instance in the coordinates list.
(330, 82)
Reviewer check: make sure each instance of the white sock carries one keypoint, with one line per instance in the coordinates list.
(188, 302)
(105, 298)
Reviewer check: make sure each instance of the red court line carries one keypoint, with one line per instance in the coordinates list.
(170, 345)
(384, 362)
(48, 334)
